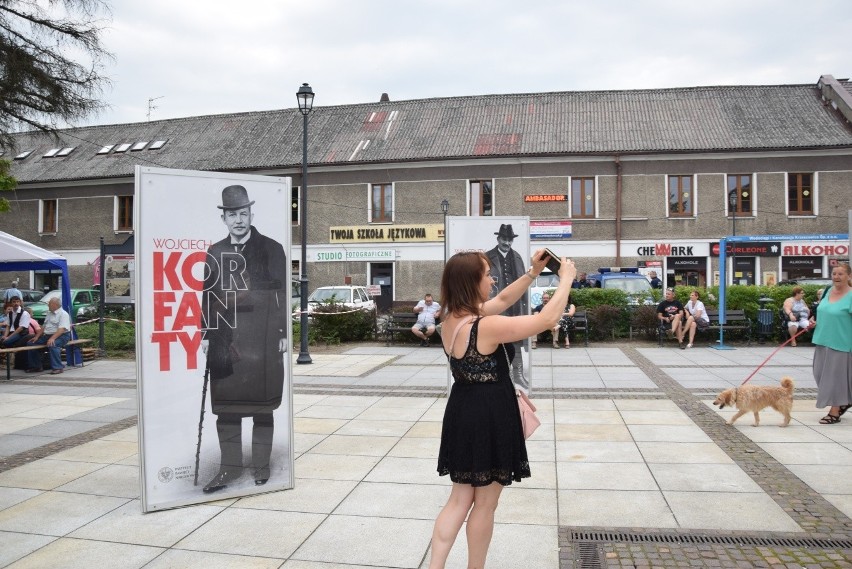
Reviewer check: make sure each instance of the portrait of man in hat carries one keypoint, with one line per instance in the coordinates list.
(506, 266)
(244, 322)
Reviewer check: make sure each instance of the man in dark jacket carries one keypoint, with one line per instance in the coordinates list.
(506, 267)
(245, 306)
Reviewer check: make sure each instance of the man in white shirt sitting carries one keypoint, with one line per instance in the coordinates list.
(55, 333)
(426, 310)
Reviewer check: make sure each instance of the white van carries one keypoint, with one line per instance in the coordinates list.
(354, 297)
(543, 282)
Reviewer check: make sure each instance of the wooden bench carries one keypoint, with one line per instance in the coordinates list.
(400, 323)
(73, 344)
(735, 321)
(581, 324)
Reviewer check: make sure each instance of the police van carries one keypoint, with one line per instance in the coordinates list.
(629, 279)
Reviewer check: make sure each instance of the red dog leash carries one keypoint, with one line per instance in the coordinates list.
(799, 333)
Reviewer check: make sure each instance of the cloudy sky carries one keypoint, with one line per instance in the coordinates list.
(201, 57)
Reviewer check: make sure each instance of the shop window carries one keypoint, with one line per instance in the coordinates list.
(123, 213)
(800, 194)
(681, 196)
(381, 203)
(583, 198)
(294, 205)
(481, 197)
(48, 216)
(739, 195)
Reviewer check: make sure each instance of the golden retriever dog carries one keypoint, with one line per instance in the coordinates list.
(757, 397)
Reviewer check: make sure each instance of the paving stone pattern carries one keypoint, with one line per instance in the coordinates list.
(819, 518)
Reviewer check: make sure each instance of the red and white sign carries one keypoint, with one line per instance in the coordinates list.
(816, 250)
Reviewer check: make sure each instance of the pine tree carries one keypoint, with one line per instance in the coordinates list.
(50, 62)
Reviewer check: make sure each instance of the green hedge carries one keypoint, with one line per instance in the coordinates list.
(333, 323)
(611, 315)
(119, 337)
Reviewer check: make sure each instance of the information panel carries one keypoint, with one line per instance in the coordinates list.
(506, 243)
(212, 313)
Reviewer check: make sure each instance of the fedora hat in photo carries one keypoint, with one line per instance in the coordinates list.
(234, 197)
(506, 232)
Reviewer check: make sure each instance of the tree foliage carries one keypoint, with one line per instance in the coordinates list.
(50, 61)
(7, 182)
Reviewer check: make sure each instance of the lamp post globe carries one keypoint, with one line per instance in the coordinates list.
(305, 97)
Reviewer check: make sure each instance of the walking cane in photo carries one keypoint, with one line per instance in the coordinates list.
(201, 422)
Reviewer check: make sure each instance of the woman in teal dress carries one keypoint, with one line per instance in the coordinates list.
(833, 354)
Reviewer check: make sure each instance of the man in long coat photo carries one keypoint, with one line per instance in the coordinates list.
(506, 266)
(244, 312)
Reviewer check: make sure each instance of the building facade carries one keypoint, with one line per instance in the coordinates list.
(651, 178)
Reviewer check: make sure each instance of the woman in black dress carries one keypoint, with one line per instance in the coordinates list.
(482, 441)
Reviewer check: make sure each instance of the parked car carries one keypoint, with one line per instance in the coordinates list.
(543, 282)
(83, 302)
(295, 294)
(29, 295)
(345, 295)
(629, 279)
(819, 281)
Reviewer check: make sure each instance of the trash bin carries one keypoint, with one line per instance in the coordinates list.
(765, 320)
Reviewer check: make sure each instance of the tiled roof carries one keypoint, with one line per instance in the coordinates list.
(697, 119)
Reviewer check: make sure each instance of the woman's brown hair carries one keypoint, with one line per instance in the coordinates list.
(460, 282)
(797, 290)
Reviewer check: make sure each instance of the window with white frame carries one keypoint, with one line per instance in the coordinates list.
(583, 198)
(381, 203)
(800, 193)
(681, 196)
(123, 213)
(740, 196)
(481, 201)
(48, 216)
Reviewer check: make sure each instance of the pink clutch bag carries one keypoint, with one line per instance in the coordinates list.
(529, 421)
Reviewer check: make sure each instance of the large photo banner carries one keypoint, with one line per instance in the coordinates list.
(506, 243)
(213, 328)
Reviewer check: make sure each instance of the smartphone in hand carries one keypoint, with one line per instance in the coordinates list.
(553, 261)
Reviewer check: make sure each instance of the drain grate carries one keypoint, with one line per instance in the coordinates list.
(588, 556)
(591, 537)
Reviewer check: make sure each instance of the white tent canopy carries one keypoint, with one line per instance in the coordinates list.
(13, 249)
(19, 255)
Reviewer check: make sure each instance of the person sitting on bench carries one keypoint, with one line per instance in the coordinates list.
(797, 313)
(670, 313)
(426, 310)
(18, 319)
(55, 333)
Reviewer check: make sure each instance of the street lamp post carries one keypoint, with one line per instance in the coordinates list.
(732, 202)
(445, 207)
(305, 96)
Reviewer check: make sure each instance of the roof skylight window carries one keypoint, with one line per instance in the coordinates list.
(123, 147)
(50, 153)
(23, 154)
(139, 146)
(106, 149)
(66, 151)
(156, 145)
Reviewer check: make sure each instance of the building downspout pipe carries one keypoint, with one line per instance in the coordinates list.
(617, 211)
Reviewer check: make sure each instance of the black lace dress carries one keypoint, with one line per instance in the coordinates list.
(482, 440)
